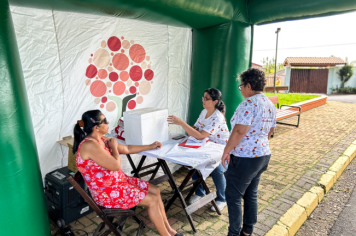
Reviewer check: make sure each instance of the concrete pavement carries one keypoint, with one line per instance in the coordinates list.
(343, 98)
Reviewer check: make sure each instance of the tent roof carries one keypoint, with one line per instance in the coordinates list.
(313, 61)
(199, 13)
(268, 11)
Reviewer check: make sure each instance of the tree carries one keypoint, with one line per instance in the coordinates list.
(269, 65)
(353, 63)
(345, 74)
(119, 75)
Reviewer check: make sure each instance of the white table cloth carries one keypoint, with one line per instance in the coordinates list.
(205, 159)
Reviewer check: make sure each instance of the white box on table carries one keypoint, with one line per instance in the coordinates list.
(145, 126)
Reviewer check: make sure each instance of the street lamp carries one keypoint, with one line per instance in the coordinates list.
(275, 63)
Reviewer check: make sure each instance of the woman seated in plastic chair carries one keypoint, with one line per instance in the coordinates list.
(210, 124)
(99, 162)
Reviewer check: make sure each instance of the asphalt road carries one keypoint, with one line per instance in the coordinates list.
(346, 223)
(343, 98)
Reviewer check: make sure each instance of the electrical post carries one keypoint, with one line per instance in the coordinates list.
(275, 63)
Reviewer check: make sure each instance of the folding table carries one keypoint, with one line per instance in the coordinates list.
(201, 161)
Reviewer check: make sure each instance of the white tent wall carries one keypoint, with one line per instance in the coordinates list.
(36, 40)
(180, 48)
(57, 49)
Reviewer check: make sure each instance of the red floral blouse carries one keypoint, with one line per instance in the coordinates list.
(111, 189)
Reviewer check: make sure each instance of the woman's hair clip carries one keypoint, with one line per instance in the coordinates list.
(80, 123)
(92, 120)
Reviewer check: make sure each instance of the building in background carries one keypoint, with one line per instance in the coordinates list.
(257, 66)
(281, 74)
(314, 74)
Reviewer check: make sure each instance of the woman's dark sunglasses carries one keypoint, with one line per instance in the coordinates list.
(240, 86)
(105, 121)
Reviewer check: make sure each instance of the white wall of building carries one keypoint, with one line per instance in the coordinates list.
(334, 80)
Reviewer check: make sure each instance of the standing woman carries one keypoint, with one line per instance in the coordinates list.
(210, 124)
(98, 160)
(247, 151)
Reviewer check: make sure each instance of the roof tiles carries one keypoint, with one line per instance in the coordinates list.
(313, 61)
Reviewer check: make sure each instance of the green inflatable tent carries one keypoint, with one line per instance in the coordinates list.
(222, 48)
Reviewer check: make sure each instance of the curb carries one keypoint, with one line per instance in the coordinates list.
(293, 219)
(309, 104)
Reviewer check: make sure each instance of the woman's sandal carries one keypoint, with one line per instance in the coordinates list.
(179, 234)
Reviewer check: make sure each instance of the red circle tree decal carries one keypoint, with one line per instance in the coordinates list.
(119, 74)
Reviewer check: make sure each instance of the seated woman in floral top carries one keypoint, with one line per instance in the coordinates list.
(210, 124)
(99, 162)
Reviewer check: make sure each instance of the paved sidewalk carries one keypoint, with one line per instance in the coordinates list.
(299, 157)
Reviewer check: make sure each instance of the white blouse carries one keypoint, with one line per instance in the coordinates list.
(215, 125)
(260, 114)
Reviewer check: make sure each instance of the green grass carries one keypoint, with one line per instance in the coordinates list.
(290, 98)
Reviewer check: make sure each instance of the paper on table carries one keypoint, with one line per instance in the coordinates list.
(204, 159)
(191, 141)
(184, 144)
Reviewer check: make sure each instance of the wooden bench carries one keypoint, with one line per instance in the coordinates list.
(286, 113)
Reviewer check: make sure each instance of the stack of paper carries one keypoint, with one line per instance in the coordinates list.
(191, 141)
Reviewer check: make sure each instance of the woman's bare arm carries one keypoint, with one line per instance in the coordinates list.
(237, 134)
(131, 149)
(91, 150)
(271, 131)
(192, 131)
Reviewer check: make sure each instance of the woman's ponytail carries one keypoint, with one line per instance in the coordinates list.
(79, 136)
(221, 107)
(89, 120)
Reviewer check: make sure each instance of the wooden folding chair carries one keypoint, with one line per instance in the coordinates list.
(107, 214)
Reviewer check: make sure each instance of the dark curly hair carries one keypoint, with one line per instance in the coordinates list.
(254, 77)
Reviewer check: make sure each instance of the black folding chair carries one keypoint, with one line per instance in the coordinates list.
(107, 214)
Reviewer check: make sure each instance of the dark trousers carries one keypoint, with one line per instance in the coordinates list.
(242, 179)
